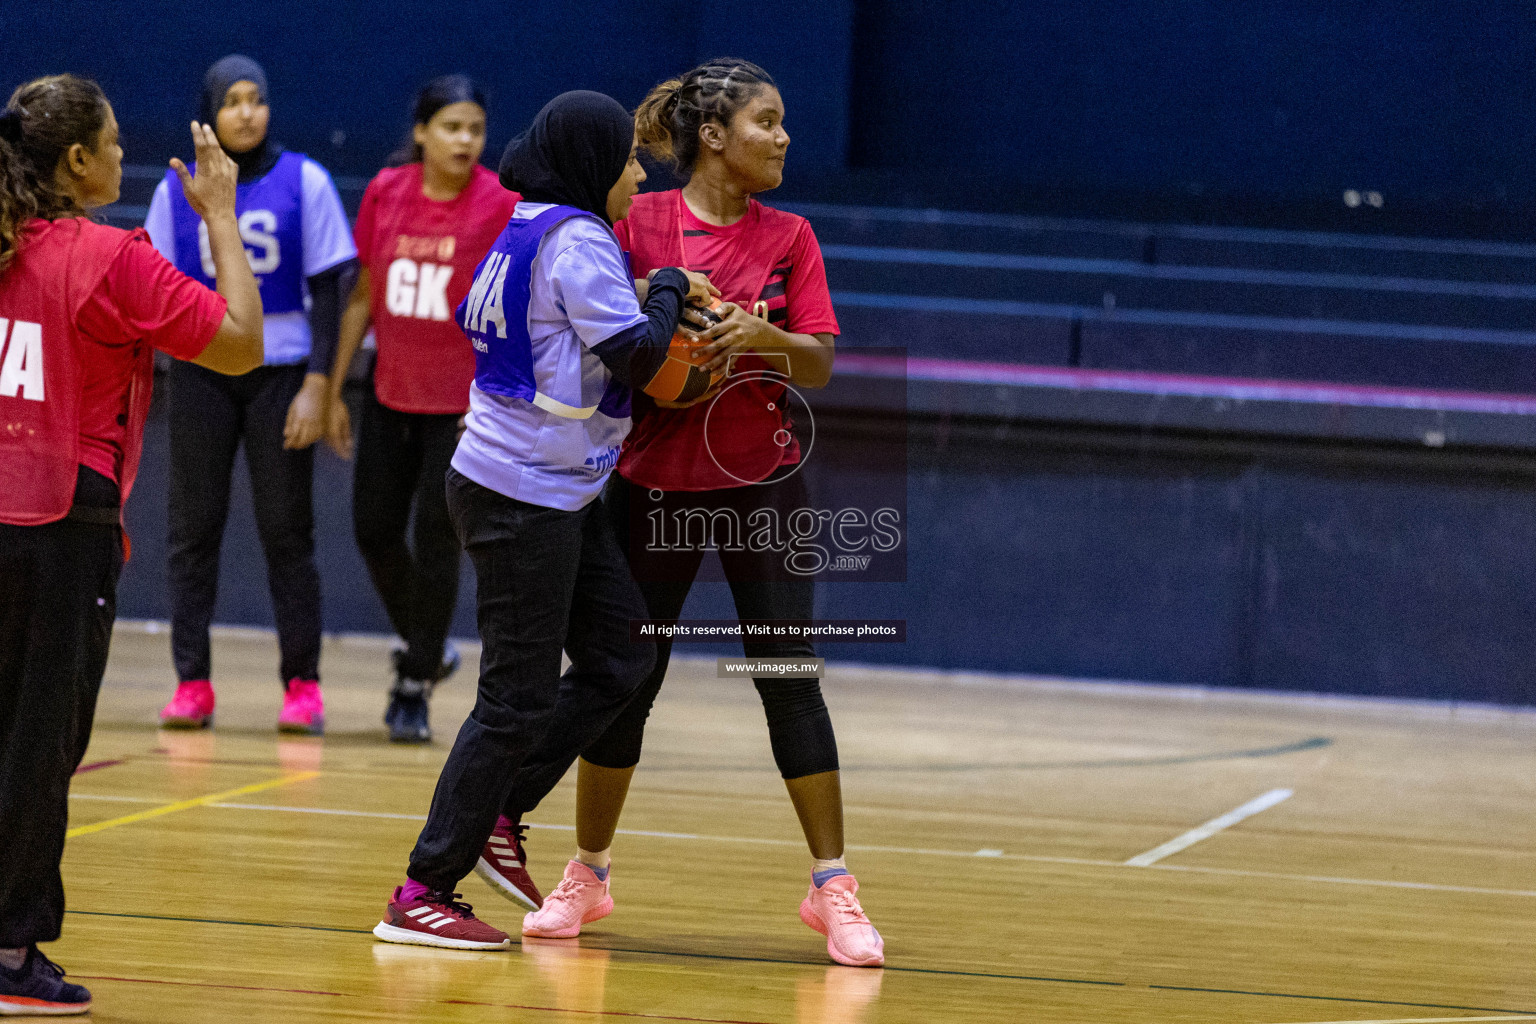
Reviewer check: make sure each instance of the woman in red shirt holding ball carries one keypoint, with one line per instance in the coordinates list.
(733, 453)
(421, 229)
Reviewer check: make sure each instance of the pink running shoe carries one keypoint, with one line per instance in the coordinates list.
(437, 919)
(580, 898)
(303, 708)
(503, 864)
(190, 708)
(834, 911)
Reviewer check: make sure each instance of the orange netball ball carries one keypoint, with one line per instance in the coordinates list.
(682, 377)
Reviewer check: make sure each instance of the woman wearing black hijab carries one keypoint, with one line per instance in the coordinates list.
(559, 337)
(299, 244)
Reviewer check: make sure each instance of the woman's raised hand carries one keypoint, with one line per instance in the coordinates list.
(212, 191)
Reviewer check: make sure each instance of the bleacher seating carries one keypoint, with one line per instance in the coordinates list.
(1419, 324)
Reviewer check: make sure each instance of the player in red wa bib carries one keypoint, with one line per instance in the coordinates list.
(422, 227)
(83, 307)
(733, 453)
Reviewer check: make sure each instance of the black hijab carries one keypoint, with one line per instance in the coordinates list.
(573, 153)
(225, 72)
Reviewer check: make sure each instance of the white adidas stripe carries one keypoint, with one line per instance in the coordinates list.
(448, 920)
(418, 911)
(429, 918)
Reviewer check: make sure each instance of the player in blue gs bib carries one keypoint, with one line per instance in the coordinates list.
(299, 244)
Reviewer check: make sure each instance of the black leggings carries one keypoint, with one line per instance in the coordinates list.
(210, 414)
(402, 460)
(799, 727)
(58, 597)
(546, 580)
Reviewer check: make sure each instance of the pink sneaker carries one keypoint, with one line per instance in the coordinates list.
(580, 898)
(437, 919)
(503, 864)
(834, 911)
(303, 708)
(191, 707)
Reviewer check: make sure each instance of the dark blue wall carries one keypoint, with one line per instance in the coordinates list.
(353, 67)
(1289, 97)
(1286, 103)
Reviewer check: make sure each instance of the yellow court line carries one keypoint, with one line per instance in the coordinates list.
(182, 805)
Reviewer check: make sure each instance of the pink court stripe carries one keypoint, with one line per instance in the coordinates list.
(208, 984)
(97, 764)
(602, 1013)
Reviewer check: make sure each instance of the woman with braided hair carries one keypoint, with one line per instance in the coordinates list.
(83, 307)
(722, 126)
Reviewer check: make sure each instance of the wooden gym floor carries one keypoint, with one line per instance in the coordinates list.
(234, 875)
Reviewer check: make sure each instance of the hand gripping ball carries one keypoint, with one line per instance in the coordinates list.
(682, 377)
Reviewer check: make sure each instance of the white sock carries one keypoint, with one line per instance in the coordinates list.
(12, 959)
(598, 859)
(821, 870)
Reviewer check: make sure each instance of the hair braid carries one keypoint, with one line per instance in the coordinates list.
(667, 121)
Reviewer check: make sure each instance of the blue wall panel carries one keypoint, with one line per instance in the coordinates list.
(1390, 583)
(353, 67)
(1295, 96)
(1189, 97)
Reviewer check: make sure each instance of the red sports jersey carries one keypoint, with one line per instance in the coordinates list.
(421, 255)
(82, 308)
(769, 261)
(144, 303)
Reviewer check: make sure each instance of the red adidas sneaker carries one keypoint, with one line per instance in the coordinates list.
(437, 919)
(503, 864)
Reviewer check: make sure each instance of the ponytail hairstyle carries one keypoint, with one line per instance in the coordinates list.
(42, 120)
(668, 120)
(443, 91)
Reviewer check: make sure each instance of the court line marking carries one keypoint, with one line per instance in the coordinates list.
(1158, 761)
(97, 764)
(1311, 743)
(1332, 999)
(183, 805)
(987, 854)
(821, 963)
(1381, 883)
(599, 1013)
(1413, 1020)
(1218, 824)
(450, 1002)
(209, 984)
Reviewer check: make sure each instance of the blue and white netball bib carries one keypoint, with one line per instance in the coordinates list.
(270, 214)
(546, 418)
